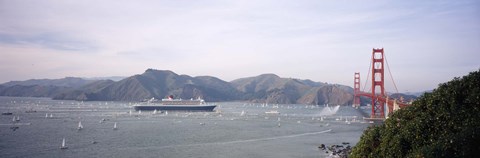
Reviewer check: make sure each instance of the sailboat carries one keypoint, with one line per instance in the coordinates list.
(115, 126)
(16, 119)
(80, 125)
(155, 111)
(63, 145)
(243, 113)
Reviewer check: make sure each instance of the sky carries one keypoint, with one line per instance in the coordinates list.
(425, 42)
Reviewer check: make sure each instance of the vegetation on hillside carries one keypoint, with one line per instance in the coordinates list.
(443, 123)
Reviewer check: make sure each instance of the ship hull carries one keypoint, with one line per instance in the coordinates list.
(175, 107)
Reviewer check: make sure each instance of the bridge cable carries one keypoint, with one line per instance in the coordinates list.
(390, 72)
(368, 75)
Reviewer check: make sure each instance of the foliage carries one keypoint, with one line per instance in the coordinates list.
(443, 123)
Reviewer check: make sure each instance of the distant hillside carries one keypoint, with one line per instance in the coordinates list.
(417, 94)
(113, 78)
(81, 93)
(32, 90)
(273, 89)
(41, 87)
(74, 82)
(405, 97)
(158, 84)
(265, 88)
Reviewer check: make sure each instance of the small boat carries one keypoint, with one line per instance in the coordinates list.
(30, 111)
(64, 146)
(115, 126)
(155, 111)
(46, 115)
(16, 119)
(51, 115)
(80, 126)
(243, 113)
(7, 113)
(14, 128)
(272, 112)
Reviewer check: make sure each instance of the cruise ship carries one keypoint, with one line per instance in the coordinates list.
(171, 104)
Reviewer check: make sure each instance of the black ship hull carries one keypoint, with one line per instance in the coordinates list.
(175, 107)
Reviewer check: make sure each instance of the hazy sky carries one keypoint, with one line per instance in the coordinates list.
(426, 42)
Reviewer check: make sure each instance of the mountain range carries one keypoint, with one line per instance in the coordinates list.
(265, 88)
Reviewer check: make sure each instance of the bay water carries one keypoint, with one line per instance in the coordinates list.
(234, 130)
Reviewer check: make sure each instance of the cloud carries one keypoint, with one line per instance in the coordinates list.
(54, 41)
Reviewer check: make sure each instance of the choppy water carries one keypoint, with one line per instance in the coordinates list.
(295, 132)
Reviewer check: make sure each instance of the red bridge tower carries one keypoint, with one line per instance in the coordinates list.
(378, 70)
(356, 90)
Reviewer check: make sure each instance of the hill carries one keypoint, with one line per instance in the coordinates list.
(74, 82)
(158, 84)
(42, 87)
(271, 88)
(265, 88)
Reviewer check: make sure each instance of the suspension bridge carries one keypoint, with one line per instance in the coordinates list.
(381, 103)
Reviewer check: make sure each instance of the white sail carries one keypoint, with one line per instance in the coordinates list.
(64, 146)
(80, 126)
(115, 126)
